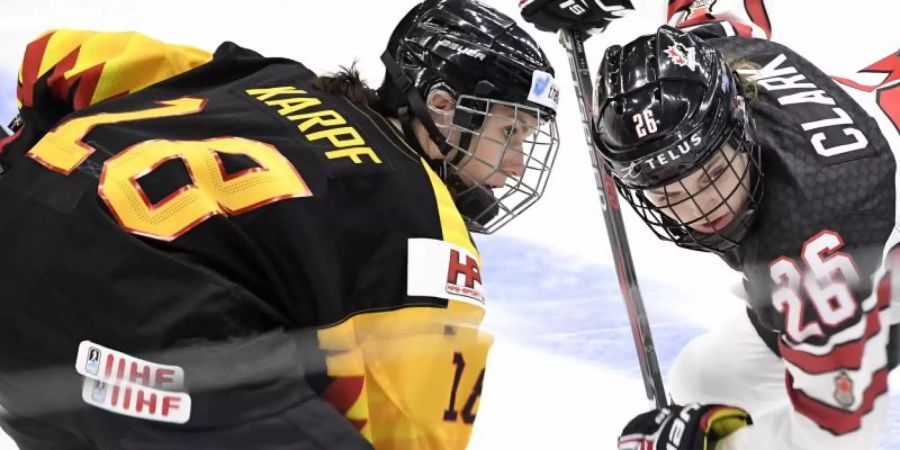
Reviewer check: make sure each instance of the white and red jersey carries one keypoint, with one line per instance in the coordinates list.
(818, 266)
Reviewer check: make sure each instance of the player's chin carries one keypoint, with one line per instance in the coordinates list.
(717, 224)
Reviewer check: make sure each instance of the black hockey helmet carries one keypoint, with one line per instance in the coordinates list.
(666, 104)
(482, 59)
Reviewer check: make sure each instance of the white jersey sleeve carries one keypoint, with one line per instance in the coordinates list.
(837, 389)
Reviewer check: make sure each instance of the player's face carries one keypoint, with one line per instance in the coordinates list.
(497, 152)
(709, 198)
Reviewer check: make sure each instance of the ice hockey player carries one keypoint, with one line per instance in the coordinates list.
(738, 146)
(235, 253)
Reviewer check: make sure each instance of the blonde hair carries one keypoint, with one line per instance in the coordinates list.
(749, 86)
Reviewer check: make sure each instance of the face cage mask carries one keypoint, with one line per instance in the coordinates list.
(487, 208)
(678, 229)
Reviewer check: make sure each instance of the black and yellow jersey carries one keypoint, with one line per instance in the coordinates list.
(221, 214)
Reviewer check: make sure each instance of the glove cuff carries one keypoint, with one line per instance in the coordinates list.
(720, 421)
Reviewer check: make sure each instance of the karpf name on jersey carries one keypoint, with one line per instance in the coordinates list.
(297, 105)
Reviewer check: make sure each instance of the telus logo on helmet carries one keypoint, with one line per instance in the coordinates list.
(661, 159)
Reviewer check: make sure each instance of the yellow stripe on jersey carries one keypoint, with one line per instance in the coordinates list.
(413, 374)
(83, 68)
(420, 369)
(452, 224)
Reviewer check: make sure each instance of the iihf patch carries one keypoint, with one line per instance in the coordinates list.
(544, 90)
(123, 384)
(137, 401)
(97, 362)
(843, 390)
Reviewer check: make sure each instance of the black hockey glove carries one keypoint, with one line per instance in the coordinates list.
(575, 15)
(689, 427)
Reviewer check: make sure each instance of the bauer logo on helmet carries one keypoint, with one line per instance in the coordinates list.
(462, 49)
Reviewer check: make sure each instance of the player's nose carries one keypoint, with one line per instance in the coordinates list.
(513, 163)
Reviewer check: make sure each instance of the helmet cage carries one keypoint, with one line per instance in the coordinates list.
(679, 229)
(487, 208)
(474, 52)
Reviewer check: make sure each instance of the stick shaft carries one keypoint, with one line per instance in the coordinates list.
(573, 41)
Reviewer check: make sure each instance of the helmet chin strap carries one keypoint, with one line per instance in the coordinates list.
(471, 121)
(472, 201)
(415, 109)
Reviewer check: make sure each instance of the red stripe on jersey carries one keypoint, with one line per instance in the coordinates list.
(847, 355)
(756, 9)
(854, 85)
(87, 85)
(81, 87)
(888, 98)
(889, 101)
(342, 393)
(31, 65)
(741, 29)
(7, 140)
(677, 5)
(889, 65)
(837, 421)
(57, 82)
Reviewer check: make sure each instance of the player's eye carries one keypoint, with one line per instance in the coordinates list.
(669, 199)
(508, 132)
(718, 172)
(710, 176)
(676, 198)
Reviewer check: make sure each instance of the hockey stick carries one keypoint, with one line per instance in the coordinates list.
(10, 129)
(573, 41)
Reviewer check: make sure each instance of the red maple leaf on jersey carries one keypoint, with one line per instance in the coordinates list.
(843, 389)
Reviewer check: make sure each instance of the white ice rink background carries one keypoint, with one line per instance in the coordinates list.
(563, 373)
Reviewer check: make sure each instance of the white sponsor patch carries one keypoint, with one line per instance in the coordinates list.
(104, 364)
(137, 401)
(444, 270)
(544, 90)
(123, 384)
